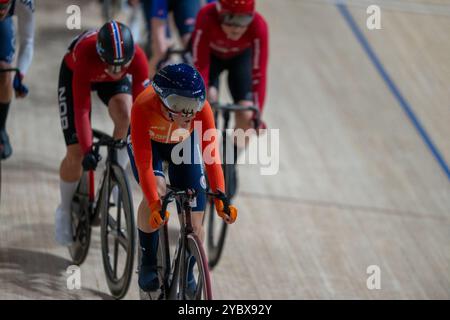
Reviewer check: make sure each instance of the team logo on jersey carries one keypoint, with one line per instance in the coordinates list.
(146, 83)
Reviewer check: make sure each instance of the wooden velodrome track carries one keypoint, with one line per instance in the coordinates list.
(358, 183)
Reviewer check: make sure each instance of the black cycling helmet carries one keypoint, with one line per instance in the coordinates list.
(115, 44)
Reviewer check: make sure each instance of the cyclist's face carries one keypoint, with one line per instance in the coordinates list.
(116, 72)
(233, 32)
(179, 119)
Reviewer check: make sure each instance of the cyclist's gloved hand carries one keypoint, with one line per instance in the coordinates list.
(155, 215)
(220, 208)
(19, 87)
(90, 160)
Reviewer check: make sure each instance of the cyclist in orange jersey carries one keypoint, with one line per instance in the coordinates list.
(171, 121)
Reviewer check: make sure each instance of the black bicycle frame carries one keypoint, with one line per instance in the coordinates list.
(104, 140)
(184, 209)
(172, 273)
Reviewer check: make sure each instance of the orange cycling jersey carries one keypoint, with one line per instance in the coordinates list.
(148, 123)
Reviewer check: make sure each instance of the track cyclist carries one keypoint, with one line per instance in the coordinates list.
(165, 119)
(156, 14)
(24, 10)
(231, 35)
(109, 62)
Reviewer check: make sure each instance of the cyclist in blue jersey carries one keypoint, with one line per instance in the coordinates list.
(156, 14)
(24, 10)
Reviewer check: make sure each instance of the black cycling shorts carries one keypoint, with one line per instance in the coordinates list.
(105, 91)
(239, 74)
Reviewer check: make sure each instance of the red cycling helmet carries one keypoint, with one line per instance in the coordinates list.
(238, 13)
(246, 7)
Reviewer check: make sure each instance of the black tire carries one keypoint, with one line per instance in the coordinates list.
(116, 235)
(217, 231)
(81, 227)
(201, 269)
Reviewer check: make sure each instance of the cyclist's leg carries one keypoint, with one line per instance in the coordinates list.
(240, 84)
(148, 237)
(215, 69)
(70, 169)
(117, 96)
(190, 175)
(6, 90)
(185, 12)
(160, 42)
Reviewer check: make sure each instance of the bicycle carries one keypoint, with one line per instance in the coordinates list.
(89, 210)
(172, 272)
(216, 239)
(15, 70)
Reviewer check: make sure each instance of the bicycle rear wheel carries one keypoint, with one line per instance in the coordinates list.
(81, 226)
(117, 232)
(201, 270)
(217, 231)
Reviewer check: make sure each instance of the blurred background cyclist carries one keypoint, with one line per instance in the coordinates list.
(156, 15)
(230, 35)
(25, 14)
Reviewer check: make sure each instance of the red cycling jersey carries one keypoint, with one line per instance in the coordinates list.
(208, 37)
(148, 123)
(88, 68)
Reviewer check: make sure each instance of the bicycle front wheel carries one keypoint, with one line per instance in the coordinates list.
(117, 232)
(201, 270)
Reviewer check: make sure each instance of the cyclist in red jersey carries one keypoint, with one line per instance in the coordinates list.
(108, 62)
(168, 120)
(231, 35)
(232, 31)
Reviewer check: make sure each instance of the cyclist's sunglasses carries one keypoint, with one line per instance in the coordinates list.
(177, 106)
(236, 20)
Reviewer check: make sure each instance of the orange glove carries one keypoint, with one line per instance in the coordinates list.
(221, 211)
(155, 215)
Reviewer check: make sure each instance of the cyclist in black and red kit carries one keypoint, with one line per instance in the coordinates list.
(106, 61)
(231, 35)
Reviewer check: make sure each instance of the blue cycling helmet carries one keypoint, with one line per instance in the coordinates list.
(181, 89)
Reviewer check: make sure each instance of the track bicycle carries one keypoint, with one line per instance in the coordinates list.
(173, 270)
(112, 209)
(217, 229)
